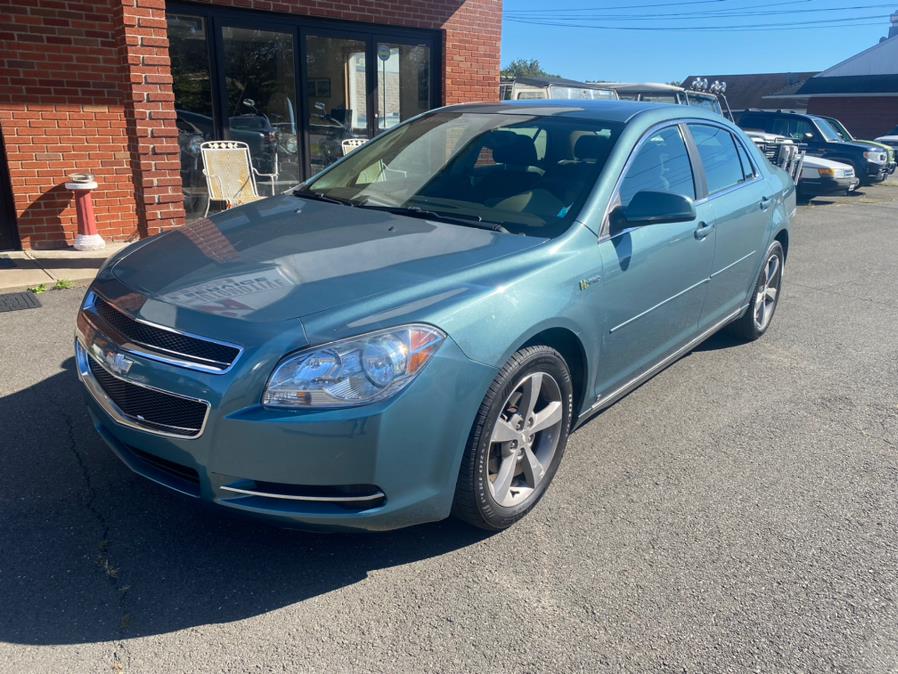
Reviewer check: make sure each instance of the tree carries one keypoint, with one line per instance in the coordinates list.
(525, 68)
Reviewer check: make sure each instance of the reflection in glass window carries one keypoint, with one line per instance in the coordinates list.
(261, 103)
(189, 53)
(336, 96)
(661, 165)
(717, 149)
(403, 81)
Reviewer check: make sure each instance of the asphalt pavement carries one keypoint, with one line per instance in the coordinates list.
(739, 512)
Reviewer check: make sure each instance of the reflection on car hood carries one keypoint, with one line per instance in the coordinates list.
(287, 257)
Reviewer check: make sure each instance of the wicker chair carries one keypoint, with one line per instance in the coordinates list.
(230, 174)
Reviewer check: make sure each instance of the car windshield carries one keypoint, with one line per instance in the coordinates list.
(827, 130)
(840, 129)
(524, 173)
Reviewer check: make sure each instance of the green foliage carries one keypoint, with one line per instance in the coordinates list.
(63, 284)
(38, 289)
(525, 68)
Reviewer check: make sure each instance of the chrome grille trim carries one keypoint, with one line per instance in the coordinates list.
(154, 351)
(83, 359)
(298, 497)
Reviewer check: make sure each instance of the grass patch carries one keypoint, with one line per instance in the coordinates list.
(63, 284)
(38, 289)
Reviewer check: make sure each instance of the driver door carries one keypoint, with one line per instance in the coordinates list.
(655, 275)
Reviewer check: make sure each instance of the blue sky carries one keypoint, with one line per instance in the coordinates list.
(672, 54)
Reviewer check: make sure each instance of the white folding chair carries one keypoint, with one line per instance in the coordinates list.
(350, 144)
(230, 174)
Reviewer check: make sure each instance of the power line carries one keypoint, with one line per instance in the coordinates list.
(819, 23)
(659, 4)
(690, 16)
(708, 12)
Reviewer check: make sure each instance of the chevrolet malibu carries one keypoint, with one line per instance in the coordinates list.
(415, 331)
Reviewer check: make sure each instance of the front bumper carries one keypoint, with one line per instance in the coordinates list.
(818, 187)
(875, 173)
(376, 467)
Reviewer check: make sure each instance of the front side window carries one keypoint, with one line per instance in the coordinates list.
(528, 173)
(717, 149)
(661, 164)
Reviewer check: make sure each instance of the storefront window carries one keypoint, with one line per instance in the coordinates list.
(336, 96)
(403, 82)
(189, 55)
(237, 78)
(261, 103)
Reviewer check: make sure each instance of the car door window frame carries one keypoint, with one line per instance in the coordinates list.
(698, 176)
(756, 173)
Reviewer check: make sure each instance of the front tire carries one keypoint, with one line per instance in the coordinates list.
(517, 441)
(765, 297)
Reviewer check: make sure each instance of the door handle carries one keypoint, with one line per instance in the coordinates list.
(703, 230)
(765, 203)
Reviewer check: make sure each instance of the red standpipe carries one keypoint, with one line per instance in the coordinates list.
(82, 184)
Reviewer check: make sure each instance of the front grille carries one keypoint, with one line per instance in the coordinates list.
(200, 351)
(154, 409)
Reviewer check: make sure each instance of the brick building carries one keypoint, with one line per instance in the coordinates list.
(128, 89)
(862, 91)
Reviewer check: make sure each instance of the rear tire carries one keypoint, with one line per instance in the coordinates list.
(765, 297)
(518, 440)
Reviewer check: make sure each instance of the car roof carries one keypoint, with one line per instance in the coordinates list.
(605, 111)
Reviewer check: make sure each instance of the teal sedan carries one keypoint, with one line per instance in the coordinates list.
(415, 331)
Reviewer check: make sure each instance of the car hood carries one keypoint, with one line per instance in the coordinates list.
(287, 257)
(820, 162)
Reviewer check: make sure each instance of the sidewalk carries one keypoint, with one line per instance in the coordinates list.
(22, 269)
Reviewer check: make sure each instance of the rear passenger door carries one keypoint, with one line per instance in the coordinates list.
(740, 199)
(655, 275)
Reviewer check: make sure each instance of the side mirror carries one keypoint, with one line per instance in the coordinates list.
(656, 208)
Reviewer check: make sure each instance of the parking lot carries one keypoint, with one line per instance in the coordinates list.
(737, 512)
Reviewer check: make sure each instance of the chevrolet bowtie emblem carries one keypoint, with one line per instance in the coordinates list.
(118, 362)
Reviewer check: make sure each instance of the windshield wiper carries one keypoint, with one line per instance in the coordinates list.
(455, 218)
(321, 196)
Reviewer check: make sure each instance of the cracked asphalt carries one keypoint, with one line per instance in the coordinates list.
(738, 512)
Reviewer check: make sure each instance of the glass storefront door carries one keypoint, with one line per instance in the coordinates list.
(336, 96)
(260, 102)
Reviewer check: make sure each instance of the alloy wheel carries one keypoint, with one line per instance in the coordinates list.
(767, 292)
(524, 439)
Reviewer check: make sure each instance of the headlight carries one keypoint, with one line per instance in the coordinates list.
(825, 172)
(353, 371)
(875, 156)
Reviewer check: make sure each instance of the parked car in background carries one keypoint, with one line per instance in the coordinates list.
(870, 162)
(845, 135)
(654, 92)
(554, 88)
(821, 177)
(890, 139)
(414, 331)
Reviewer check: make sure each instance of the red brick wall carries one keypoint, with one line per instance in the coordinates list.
(865, 116)
(85, 85)
(472, 33)
(61, 110)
